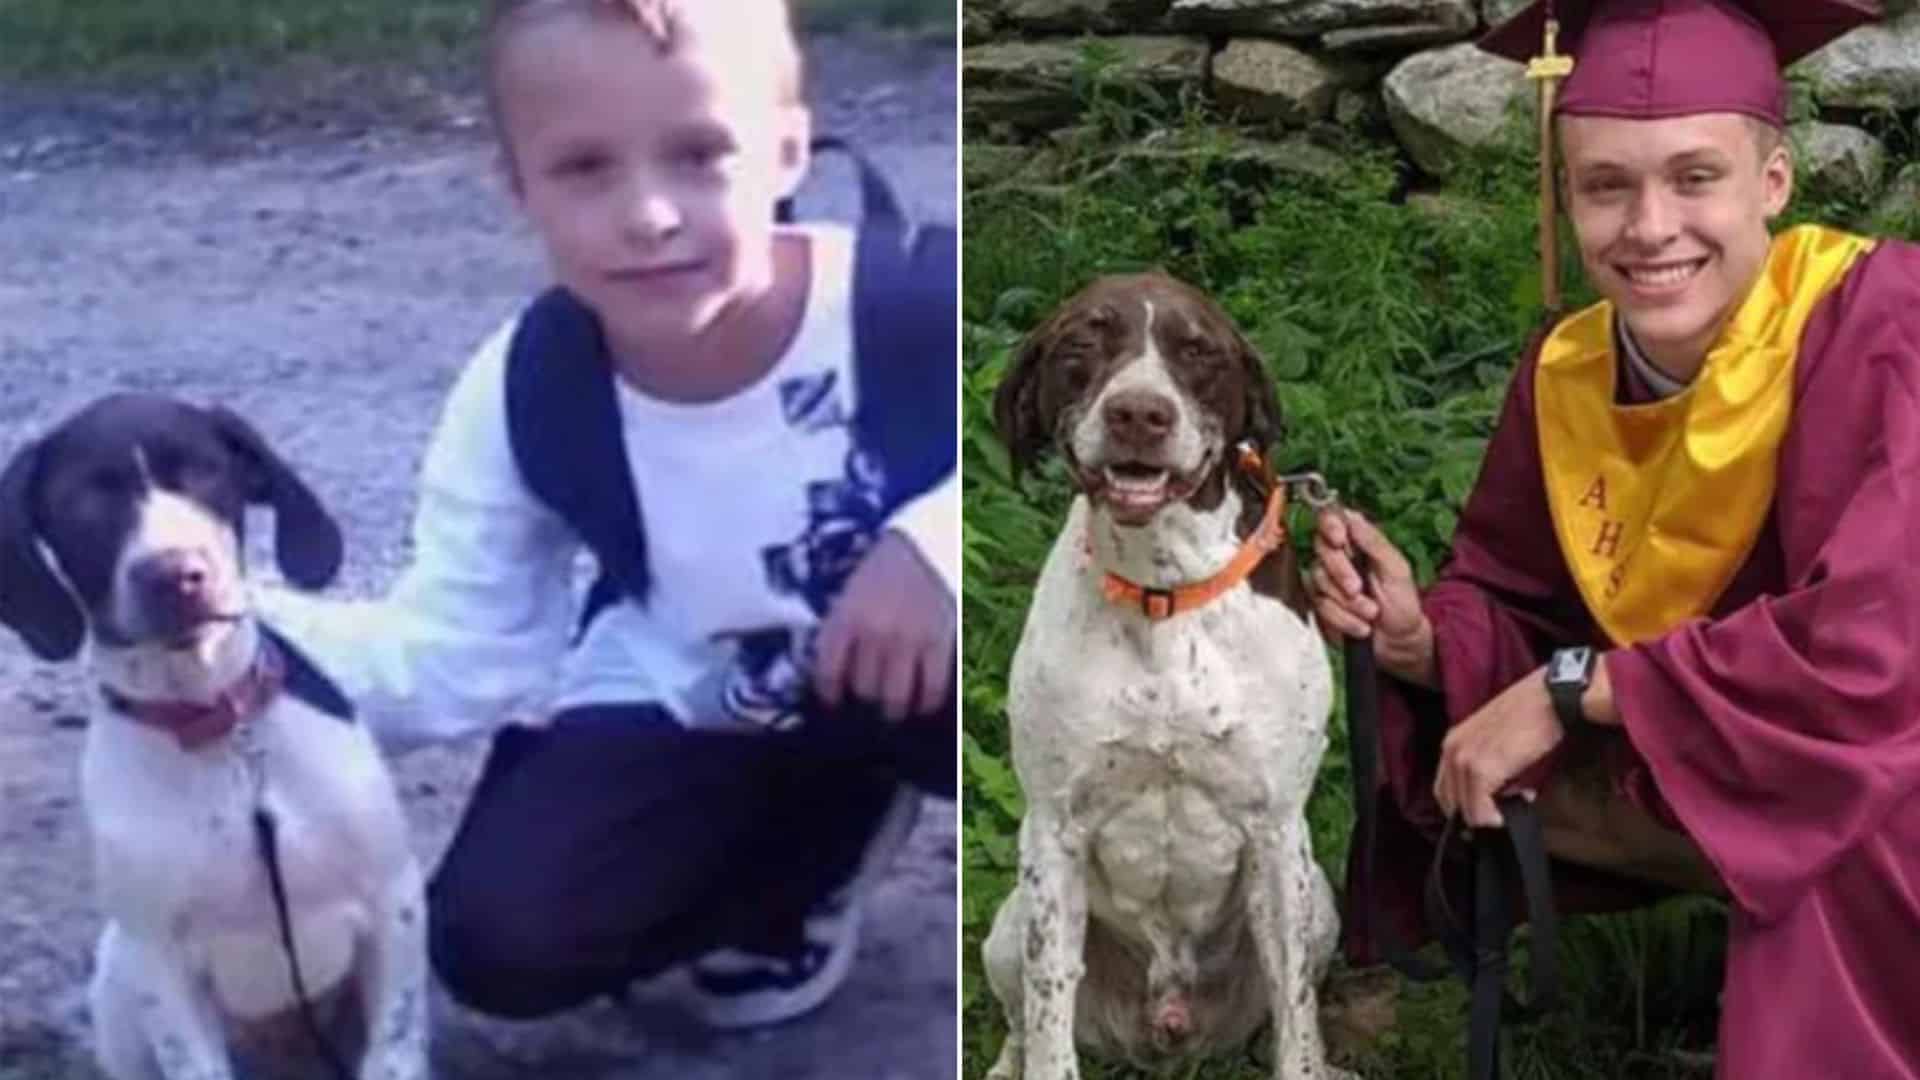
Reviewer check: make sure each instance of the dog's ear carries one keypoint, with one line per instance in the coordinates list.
(306, 541)
(38, 605)
(1266, 425)
(1016, 401)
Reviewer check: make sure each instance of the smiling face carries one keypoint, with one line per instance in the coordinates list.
(1142, 383)
(650, 168)
(1671, 217)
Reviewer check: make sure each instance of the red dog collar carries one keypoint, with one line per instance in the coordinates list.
(197, 723)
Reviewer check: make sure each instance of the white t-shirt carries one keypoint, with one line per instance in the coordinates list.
(751, 508)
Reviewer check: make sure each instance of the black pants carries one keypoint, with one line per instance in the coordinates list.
(615, 844)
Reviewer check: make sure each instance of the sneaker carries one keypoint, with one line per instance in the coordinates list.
(737, 987)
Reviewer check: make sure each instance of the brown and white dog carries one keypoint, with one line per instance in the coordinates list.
(1168, 902)
(207, 718)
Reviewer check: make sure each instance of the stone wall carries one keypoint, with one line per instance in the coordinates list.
(1400, 69)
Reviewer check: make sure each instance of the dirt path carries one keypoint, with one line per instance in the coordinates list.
(325, 268)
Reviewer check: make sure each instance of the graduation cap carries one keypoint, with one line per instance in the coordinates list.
(1652, 59)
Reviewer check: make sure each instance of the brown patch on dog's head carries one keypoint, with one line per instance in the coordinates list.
(1060, 369)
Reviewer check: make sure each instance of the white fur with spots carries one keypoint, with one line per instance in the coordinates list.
(1168, 901)
(191, 958)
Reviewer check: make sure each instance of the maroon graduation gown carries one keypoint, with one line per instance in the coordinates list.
(1782, 732)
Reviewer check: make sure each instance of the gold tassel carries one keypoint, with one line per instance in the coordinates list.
(1548, 69)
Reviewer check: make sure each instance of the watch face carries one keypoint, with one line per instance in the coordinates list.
(1568, 665)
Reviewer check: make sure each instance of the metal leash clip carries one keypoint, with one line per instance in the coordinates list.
(1311, 488)
(252, 755)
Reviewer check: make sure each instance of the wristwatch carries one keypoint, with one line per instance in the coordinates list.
(1569, 673)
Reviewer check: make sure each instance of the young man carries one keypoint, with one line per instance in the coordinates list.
(1682, 602)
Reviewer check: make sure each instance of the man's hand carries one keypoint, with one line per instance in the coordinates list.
(1485, 752)
(889, 637)
(1402, 636)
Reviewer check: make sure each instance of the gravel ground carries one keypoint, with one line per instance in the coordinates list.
(321, 249)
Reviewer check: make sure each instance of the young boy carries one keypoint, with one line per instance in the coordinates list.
(718, 772)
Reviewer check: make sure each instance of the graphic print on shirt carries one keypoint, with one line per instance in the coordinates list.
(771, 667)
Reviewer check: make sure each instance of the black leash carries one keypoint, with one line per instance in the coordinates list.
(263, 833)
(1478, 952)
(1363, 747)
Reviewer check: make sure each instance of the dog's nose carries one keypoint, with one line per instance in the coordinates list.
(175, 573)
(1139, 417)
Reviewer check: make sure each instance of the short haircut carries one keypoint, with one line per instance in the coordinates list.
(665, 23)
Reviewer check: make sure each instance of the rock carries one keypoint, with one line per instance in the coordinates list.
(1308, 18)
(979, 22)
(1356, 1009)
(1839, 158)
(982, 164)
(1361, 111)
(1295, 154)
(1898, 211)
(1269, 80)
(1443, 205)
(1101, 16)
(1027, 86)
(1250, 160)
(1496, 12)
(1446, 100)
(1374, 39)
(1075, 136)
(1873, 67)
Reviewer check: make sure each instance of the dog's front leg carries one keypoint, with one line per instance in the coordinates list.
(1053, 878)
(1280, 906)
(146, 982)
(393, 989)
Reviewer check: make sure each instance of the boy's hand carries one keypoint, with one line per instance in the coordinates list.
(889, 637)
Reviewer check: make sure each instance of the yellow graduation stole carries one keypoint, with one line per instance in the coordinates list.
(1657, 506)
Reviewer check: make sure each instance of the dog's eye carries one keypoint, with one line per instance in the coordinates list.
(1201, 361)
(1079, 373)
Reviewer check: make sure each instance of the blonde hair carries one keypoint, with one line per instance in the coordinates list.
(666, 23)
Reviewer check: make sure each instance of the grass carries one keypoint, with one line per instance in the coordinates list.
(56, 38)
(1390, 331)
